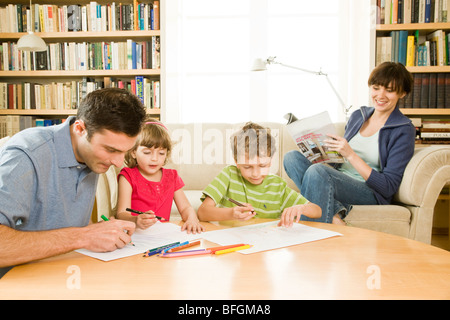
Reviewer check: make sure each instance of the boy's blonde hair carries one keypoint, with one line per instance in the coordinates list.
(153, 134)
(253, 141)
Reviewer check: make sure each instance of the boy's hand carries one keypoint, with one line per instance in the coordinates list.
(146, 220)
(244, 213)
(289, 215)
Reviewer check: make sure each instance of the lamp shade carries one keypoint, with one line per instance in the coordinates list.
(259, 65)
(31, 42)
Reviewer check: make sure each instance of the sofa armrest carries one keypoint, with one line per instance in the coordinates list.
(425, 176)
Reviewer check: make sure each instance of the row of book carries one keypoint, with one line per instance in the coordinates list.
(68, 95)
(432, 131)
(412, 49)
(11, 124)
(71, 56)
(430, 90)
(90, 17)
(412, 11)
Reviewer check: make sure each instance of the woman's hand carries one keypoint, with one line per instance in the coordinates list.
(339, 144)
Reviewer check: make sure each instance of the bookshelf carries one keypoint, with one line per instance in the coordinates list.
(424, 62)
(110, 68)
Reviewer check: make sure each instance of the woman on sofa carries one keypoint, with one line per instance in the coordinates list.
(377, 145)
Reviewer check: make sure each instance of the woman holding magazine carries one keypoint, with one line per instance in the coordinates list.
(377, 145)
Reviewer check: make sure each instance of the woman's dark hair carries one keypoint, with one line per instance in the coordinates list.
(113, 109)
(394, 75)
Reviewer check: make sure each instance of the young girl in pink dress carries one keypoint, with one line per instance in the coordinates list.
(148, 187)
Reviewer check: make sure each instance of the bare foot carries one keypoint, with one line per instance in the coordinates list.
(337, 220)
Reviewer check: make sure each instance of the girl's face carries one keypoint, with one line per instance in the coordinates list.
(384, 99)
(150, 160)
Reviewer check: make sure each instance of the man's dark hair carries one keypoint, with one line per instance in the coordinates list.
(113, 109)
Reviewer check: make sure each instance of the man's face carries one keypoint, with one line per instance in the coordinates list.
(105, 148)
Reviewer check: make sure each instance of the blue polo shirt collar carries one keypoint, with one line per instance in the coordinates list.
(66, 156)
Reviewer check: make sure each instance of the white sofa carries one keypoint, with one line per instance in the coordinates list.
(202, 150)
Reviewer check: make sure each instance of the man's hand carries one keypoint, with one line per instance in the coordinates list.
(108, 236)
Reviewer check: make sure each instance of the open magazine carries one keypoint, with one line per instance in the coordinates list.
(309, 135)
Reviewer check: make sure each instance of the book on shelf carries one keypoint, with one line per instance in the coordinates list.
(430, 90)
(412, 11)
(67, 95)
(432, 131)
(309, 135)
(71, 56)
(412, 49)
(11, 124)
(92, 16)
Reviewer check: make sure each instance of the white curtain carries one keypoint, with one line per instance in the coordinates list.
(210, 46)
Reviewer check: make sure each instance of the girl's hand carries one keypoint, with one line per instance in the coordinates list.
(192, 226)
(146, 220)
(244, 213)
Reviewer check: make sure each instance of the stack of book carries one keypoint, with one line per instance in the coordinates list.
(435, 131)
(89, 17)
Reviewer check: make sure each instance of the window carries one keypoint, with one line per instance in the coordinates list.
(211, 46)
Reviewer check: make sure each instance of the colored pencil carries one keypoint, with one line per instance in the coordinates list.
(188, 245)
(233, 249)
(214, 249)
(238, 203)
(157, 250)
(185, 253)
(140, 212)
(177, 245)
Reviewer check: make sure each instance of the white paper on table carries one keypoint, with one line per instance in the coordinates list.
(268, 236)
(158, 235)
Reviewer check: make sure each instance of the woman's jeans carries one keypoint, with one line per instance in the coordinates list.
(332, 190)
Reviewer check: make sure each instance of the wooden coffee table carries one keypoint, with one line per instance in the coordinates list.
(362, 264)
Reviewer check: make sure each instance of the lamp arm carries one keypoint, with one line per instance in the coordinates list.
(319, 73)
(271, 60)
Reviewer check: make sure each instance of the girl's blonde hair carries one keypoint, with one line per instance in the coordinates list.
(153, 134)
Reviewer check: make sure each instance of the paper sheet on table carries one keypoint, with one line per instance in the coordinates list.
(268, 236)
(159, 234)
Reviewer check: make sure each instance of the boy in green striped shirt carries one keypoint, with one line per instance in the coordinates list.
(261, 194)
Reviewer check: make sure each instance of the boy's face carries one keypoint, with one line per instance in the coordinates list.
(254, 170)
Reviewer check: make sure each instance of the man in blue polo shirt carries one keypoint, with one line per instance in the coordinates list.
(48, 178)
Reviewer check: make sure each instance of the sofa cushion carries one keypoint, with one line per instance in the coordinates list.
(391, 219)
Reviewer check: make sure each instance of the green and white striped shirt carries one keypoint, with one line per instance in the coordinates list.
(269, 198)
